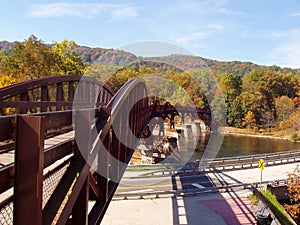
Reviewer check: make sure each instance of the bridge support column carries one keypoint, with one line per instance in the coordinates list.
(189, 132)
(198, 128)
(29, 163)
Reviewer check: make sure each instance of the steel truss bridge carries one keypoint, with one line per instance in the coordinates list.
(65, 149)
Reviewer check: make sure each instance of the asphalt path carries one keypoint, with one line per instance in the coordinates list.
(170, 183)
(183, 182)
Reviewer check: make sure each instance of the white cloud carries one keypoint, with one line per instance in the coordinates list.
(191, 37)
(82, 10)
(286, 55)
(295, 14)
(216, 27)
(124, 12)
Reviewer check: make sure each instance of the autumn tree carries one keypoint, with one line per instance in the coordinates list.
(67, 60)
(254, 102)
(249, 120)
(6, 80)
(294, 195)
(284, 107)
(29, 60)
(267, 86)
(33, 59)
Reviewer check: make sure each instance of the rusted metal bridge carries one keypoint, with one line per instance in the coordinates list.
(65, 149)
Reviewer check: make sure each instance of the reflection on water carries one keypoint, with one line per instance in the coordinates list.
(244, 145)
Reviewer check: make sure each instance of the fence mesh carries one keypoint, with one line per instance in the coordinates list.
(6, 214)
(49, 184)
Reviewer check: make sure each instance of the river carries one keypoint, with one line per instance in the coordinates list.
(234, 145)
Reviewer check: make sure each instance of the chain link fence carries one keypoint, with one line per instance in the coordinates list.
(51, 180)
(6, 213)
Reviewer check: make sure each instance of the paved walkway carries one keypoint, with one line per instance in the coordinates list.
(232, 208)
(209, 209)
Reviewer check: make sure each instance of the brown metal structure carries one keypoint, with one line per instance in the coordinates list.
(169, 111)
(53, 93)
(69, 143)
(50, 174)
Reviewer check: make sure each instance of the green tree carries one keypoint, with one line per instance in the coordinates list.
(251, 81)
(254, 102)
(231, 86)
(235, 113)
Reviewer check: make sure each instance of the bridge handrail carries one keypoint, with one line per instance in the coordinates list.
(18, 88)
(119, 152)
(53, 93)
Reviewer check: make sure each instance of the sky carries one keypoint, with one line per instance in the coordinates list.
(263, 32)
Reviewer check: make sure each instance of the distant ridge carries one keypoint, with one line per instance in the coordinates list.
(123, 58)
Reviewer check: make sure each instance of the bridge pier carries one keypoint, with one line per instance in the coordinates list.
(189, 132)
(197, 129)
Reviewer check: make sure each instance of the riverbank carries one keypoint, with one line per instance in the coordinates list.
(283, 135)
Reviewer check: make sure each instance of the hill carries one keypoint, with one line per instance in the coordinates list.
(233, 67)
(123, 58)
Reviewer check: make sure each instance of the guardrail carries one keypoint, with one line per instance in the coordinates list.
(219, 164)
(191, 192)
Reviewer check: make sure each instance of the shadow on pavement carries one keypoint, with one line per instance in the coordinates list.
(210, 207)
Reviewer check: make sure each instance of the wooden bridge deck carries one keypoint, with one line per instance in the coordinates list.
(7, 158)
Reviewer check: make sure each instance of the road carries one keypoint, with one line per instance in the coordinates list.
(192, 182)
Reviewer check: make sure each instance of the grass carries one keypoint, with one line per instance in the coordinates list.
(295, 137)
(253, 199)
(277, 208)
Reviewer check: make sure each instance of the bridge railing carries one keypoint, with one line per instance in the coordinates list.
(52, 170)
(54, 93)
(28, 159)
(129, 116)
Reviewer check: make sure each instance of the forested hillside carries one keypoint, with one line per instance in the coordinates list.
(255, 96)
(123, 58)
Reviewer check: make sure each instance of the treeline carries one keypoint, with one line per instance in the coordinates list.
(260, 99)
(257, 97)
(33, 59)
(122, 58)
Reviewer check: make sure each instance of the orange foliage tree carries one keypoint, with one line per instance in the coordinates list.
(294, 195)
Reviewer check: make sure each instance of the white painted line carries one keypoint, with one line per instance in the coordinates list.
(138, 191)
(200, 187)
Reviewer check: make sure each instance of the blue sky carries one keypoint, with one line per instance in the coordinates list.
(264, 32)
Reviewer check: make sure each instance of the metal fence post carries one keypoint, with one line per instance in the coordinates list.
(29, 162)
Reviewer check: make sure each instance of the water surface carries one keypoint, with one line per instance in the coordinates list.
(234, 145)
